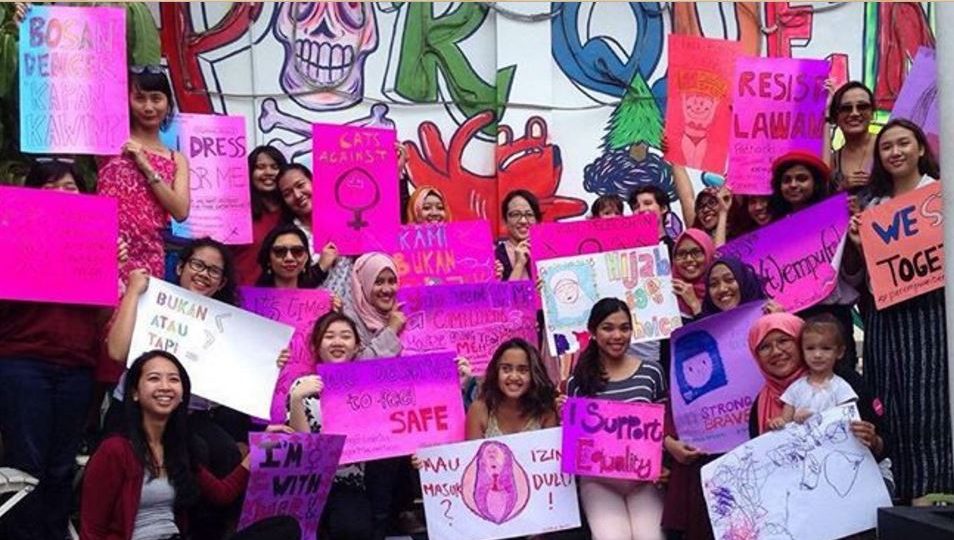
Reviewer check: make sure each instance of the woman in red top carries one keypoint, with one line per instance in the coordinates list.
(141, 480)
(264, 164)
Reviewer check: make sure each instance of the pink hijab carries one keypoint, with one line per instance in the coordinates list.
(770, 397)
(365, 272)
(708, 248)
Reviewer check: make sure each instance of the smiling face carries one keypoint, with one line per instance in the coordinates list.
(338, 344)
(699, 109)
(797, 185)
(778, 354)
(295, 188)
(821, 350)
(204, 272)
(432, 210)
(723, 289)
(757, 207)
(287, 257)
(513, 373)
(854, 112)
(899, 151)
(148, 108)
(689, 259)
(708, 211)
(384, 291)
(697, 370)
(265, 173)
(519, 218)
(613, 334)
(159, 390)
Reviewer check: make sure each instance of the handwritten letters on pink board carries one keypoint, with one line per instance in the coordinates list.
(72, 71)
(291, 475)
(355, 201)
(58, 247)
(455, 252)
(392, 407)
(583, 237)
(612, 439)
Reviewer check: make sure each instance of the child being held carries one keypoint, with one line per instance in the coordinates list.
(823, 345)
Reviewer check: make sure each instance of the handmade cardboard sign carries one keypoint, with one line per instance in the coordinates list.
(455, 252)
(569, 238)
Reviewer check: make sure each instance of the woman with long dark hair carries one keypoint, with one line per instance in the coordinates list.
(285, 260)
(264, 164)
(851, 110)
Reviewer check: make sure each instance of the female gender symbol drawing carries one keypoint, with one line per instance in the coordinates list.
(494, 485)
(356, 190)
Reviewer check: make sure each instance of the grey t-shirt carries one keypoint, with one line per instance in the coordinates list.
(155, 519)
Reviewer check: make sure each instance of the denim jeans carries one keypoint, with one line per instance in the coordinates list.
(42, 413)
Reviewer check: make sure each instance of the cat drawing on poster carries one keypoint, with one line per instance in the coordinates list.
(495, 486)
(698, 365)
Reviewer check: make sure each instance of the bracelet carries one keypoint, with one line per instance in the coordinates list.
(154, 178)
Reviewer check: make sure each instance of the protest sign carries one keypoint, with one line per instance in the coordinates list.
(714, 379)
(903, 243)
(698, 108)
(569, 238)
(74, 98)
(229, 353)
(811, 481)
(356, 202)
(799, 255)
(291, 475)
(778, 106)
(392, 407)
(470, 320)
(455, 252)
(219, 204)
(58, 247)
(641, 277)
(532, 496)
(612, 439)
(299, 308)
(918, 99)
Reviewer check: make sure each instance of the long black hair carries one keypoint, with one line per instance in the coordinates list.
(778, 207)
(152, 79)
(589, 374)
(882, 183)
(176, 440)
(267, 277)
(288, 216)
(539, 398)
(321, 327)
(228, 293)
(258, 198)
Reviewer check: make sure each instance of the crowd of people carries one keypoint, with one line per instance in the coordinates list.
(168, 464)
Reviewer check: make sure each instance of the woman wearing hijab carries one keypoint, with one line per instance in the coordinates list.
(692, 254)
(373, 306)
(427, 205)
(729, 283)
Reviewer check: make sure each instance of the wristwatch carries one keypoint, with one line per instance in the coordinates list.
(154, 178)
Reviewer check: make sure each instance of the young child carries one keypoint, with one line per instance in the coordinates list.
(823, 345)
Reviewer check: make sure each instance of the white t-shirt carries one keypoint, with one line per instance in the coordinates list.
(804, 395)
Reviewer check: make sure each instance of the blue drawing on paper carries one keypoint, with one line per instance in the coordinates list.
(572, 290)
(698, 365)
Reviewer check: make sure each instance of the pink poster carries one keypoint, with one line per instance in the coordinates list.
(218, 174)
(455, 252)
(58, 247)
(714, 380)
(918, 99)
(699, 101)
(612, 439)
(296, 307)
(569, 238)
(392, 407)
(74, 98)
(355, 196)
(798, 256)
(778, 106)
(291, 475)
(470, 320)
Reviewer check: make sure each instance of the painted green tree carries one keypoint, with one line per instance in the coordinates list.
(636, 121)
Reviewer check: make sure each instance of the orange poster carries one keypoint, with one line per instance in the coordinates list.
(903, 241)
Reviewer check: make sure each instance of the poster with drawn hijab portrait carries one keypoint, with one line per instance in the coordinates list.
(714, 379)
(503, 487)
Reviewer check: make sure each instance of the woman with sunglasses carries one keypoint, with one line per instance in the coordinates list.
(285, 260)
(149, 180)
(264, 164)
(851, 110)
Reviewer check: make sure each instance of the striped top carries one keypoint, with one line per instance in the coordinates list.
(645, 385)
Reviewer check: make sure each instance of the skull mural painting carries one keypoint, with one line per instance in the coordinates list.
(326, 45)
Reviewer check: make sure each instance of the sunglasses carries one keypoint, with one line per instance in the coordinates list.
(282, 251)
(150, 68)
(860, 108)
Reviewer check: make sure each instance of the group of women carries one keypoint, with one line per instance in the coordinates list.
(172, 465)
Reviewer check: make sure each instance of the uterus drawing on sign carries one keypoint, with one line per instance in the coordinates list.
(495, 486)
(356, 190)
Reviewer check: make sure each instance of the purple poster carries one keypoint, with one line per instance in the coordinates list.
(296, 307)
(918, 99)
(455, 252)
(291, 475)
(569, 238)
(470, 320)
(778, 106)
(714, 379)
(799, 255)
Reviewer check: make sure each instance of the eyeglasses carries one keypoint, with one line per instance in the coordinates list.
(783, 343)
(708, 203)
(282, 251)
(695, 253)
(198, 267)
(150, 68)
(848, 108)
(517, 216)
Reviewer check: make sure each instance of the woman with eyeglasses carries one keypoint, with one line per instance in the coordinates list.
(851, 110)
(520, 209)
(264, 164)
(149, 180)
(48, 354)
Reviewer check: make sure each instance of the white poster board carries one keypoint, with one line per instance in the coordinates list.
(230, 354)
(534, 496)
(641, 277)
(811, 481)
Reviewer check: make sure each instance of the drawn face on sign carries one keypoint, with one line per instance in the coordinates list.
(572, 296)
(699, 109)
(698, 365)
(495, 486)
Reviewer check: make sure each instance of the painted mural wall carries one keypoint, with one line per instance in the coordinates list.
(563, 98)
